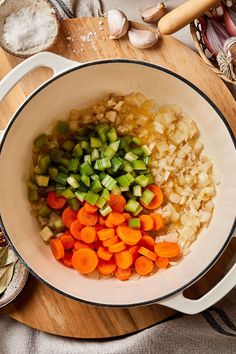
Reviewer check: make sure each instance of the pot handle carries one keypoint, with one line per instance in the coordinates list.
(180, 303)
(49, 60)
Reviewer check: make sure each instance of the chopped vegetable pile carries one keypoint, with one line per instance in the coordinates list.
(93, 191)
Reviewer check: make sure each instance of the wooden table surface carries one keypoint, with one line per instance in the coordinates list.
(37, 305)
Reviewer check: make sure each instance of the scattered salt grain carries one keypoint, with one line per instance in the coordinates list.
(100, 23)
(29, 28)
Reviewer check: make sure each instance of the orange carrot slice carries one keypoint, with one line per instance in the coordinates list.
(80, 244)
(103, 253)
(117, 202)
(54, 201)
(148, 242)
(68, 216)
(123, 259)
(66, 260)
(91, 209)
(57, 248)
(167, 249)
(118, 247)
(133, 250)
(147, 222)
(106, 267)
(67, 241)
(162, 262)
(128, 235)
(110, 241)
(88, 234)
(143, 265)
(75, 229)
(87, 219)
(157, 200)
(122, 274)
(158, 221)
(101, 220)
(85, 260)
(115, 219)
(147, 253)
(127, 216)
(105, 234)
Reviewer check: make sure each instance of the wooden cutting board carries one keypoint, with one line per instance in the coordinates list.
(86, 39)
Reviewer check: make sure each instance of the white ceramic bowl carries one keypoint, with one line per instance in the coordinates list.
(76, 86)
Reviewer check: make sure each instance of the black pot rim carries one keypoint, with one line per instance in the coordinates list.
(156, 67)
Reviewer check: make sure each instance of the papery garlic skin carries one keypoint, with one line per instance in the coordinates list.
(154, 14)
(142, 39)
(118, 24)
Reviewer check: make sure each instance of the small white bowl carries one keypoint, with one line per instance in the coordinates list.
(7, 7)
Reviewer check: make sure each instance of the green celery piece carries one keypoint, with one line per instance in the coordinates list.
(127, 167)
(86, 180)
(72, 182)
(77, 151)
(132, 205)
(57, 222)
(64, 162)
(94, 154)
(44, 211)
(86, 169)
(137, 151)
(105, 194)
(136, 141)
(84, 144)
(80, 195)
(116, 163)
(129, 156)
(96, 186)
(102, 164)
(40, 141)
(109, 153)
(100, 202)
(146, 150)
(147, 196)
(68, 194)
(62, 178)
(63, 169)
(53, 173)
(87, 158)
(142, 180)
(102, 175)
(138, 210)
(68, 145)
(46, 233)
(32, 186)
(115, 145)
(61, 127)
(95, 142)
(56, 155)
(137, 191)
(138, 165)
(108, 182)
(83, 131)
(73, 165)
(105, 210)
(91, 198)
(74, 204)
(51, 188)
(37, 170)
(44, 163)
(41, 180)
(94, 177)
(134, 223)
(147, 160)
(33, 195)
(112, 135)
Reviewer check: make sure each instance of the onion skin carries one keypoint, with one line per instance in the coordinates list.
(229, 23)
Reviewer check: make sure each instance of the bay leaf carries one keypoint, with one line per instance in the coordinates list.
(2, 250)
(3, 256)
(6, 278)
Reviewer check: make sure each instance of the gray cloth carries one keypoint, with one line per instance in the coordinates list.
(212, 332)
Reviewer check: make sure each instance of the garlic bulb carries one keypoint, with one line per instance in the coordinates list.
(118, 24)
(154, 14)
(142, 39)
(230, 49)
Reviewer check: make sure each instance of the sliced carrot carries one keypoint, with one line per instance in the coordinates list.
(68, 216)
(85, 260)
(148, 242)
(104, 254)
(122, 274)
(147, 222)
(87, 219)
(123, 259)
(117, 202)
(91, 209)
(158, 221)
(80, 244)
(147, 253)
(167, 249)
(57, 248)
(66, 260)
(110, 241)
(67, 241)
(118, 247)
(108, 223)
(115, 219)
(54, 201)
(106, 267)
(157, 200)
(101, 220)
(75, 229)
(133, 250)
(105, 234)
(128, 235)
(127, 216)
(143, 265)
(162, 262)
(97, 244)
(88, 234)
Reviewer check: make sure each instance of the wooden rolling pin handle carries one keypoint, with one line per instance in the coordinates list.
(184, 14)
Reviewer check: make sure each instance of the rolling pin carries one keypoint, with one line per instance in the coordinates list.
(184, 14)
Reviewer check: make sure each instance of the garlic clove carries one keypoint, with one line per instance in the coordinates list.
(154, 14)
(142, 39)
(118, 24)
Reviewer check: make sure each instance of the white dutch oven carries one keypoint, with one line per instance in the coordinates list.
(74, 86)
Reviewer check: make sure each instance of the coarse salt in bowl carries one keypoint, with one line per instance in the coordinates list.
(27, 27)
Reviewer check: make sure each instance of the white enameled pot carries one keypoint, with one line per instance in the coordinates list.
(77, 85)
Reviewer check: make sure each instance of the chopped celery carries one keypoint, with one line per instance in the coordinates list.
(40, 141)
(112, 135)
(95, 142)
(68, 194)
(147, 160)
(56, 155)
(56, 221)
(91, 198)
(72, 182)
(46, 233)
(51, 188)
(84, 145)
(68, 145)
(115, 145)
(125, 180)
(86, 169)
(73, 204)
(80, 195)
(44, 163)
(134, 223)
(86, 180)
(94, 177)
(116, 163)
(63, 169)
(137, 191)
(64, 162)
(62, 178)
(109, 153)
(151, 179)
(59, 192)
(108, 182)
(96, 186)
(136, 141)
(146, 150)
(105, 210)
(147, 196)
(87, 158)
(73, 165)
(142, 180)
(102, 130)
(83, 131)
(100, 202)
(105, 194)
(37, 170)
(127, 167)
(60, 187)
(33, 195)
(61, 127)
(132, 205)
(44, 211)
(129, 156)
(138, 210)
(125, 141)
(32, 186)
(102, 175)
(124, 189)
(102, 164)
(77, 151)
(94, 154)
(138, 165)
(42, 181)
(53, 173)
(137, 151)
(116, 190)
